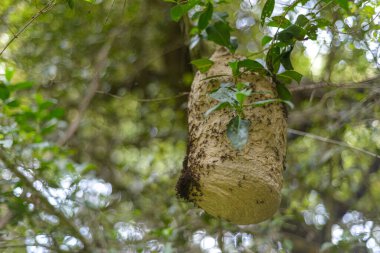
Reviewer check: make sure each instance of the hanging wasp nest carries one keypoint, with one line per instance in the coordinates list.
(241, 186)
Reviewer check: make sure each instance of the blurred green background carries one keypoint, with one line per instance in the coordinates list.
(93, 131)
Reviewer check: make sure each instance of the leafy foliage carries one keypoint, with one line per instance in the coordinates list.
(125, 156)
(267, 10)
(203, 65)
(220, 34)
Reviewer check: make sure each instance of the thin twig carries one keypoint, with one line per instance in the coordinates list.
(109, 12)
(47, 7)
(364, 84)
(370, 83)
(335, 142)
(90, 92)
(164, 98)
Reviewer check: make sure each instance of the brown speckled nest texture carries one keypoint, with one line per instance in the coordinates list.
(240, 186)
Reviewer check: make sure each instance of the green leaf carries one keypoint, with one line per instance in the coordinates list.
(205, 17)
(238, 132)
(20, 86)
(224, 94)
(265, 102)
(70, 3)
(242, 95)
(220, 34)
(4, 92)
(279, 21)
(272, 100)
(284, 79)
(13, 103)
(343, 4)
(292, 32)
(9, 72)
(273, 59)
(251, 65)
(56, 113)
(233, 44)
(241, 86)
(302, 20)
(321, 22)
(311, 32)
(234, 65)
(203, 65)
(217, 107)
(265, 40)
(267, 10)
(179, 10)
(283, 92)
(292, 74)
(285, 59)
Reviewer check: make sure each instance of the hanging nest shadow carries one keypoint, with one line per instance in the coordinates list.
(241, 186)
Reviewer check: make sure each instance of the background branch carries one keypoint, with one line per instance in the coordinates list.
(339, 143)
(46, 8)
(369, 83)
(90, 92)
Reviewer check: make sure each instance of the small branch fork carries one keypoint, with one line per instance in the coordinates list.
(45, 9)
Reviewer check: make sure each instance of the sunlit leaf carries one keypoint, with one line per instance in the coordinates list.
(234, 65)
(292, 74)
(203, 65)
(242, 95)
(219, 106)
(20, 86)
(9, 72)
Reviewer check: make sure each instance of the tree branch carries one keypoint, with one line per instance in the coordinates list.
(335, 142)
(370, 83)
(46, 8)
(90, 92)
